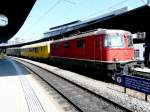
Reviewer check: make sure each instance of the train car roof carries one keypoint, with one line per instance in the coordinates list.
(36, 44)
(14, 48)
(93, 32)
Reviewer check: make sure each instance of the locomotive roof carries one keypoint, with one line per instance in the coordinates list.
(93, 32)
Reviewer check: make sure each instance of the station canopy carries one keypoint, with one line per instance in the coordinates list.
(12, 16)
(135, 20)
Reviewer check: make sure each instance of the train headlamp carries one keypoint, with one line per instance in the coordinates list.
(116, 59)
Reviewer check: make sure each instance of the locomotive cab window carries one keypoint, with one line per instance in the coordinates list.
(80, 43)
(114, 40)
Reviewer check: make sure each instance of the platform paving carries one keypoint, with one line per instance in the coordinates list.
(17, 93)
(11, 95)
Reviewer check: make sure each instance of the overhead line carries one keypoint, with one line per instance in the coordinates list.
(119, 3)
(58, 2)
(143, 2)
(45, 14)
(70, 2)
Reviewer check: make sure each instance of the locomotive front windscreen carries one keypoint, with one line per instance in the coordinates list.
(114, 40)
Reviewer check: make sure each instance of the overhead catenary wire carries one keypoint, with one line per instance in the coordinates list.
(70, 2)
(58, 2)
(109, 8)
(143, 2)
(46, 13)
(41, 17)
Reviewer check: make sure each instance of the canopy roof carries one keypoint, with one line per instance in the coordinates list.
(16, 11)
(136, 20)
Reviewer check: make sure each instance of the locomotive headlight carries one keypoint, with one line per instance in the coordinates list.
(116, 59)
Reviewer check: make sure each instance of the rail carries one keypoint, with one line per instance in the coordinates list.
(83, 99)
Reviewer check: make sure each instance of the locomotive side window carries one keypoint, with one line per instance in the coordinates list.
(80, 43)
(97, 42)
(114, 40)
(66, 45)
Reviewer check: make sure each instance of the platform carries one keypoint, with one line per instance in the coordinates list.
(18, 93)
(146, 70)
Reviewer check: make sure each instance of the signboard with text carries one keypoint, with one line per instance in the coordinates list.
(133, 82)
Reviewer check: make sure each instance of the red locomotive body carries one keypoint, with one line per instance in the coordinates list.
(104, 49)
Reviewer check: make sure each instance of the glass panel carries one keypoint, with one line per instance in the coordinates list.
(130, 41)
(137, 53)
(80, 43)
(114, 40)
(66, 45)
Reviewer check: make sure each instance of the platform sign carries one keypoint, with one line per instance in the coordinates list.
(133, 82)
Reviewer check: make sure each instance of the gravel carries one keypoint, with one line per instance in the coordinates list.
(99, 87)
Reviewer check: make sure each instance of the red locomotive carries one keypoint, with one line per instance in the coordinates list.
(107, 50)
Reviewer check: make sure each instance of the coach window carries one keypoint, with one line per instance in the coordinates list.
(36, 49)
(66, 45)
(30, 49)
(80, 43)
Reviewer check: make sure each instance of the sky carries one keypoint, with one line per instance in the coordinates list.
(49, 13)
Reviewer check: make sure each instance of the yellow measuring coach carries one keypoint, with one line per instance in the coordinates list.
(36, 51)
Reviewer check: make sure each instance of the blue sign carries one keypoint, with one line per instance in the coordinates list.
(133, 82)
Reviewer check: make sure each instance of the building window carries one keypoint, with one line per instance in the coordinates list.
(80, 43)
(130, 41)
(137, 53)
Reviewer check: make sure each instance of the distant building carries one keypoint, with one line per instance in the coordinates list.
(139, 48)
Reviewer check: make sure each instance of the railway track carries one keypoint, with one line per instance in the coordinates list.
(81, 98)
